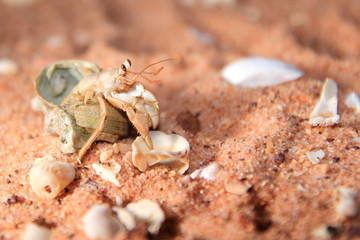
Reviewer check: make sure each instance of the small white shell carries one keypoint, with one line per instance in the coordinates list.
(316, 156)
(209, 172)
(36, 232)
(353, 101)
(8, 67)
(170, 150)
(149, 212)
(100, 224)
(346, 205)
(259, 72)
(325, 111)
(125, 218)
(48, 176)
(108, 173)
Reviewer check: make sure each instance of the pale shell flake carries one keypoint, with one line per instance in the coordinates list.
(259, 72)
(108, 173)
(149, 212)
(125, 218)
(170, 150)
(36, 232)
(209, 172)
(316, 156)
(346, 205)
(48, 176)
(325, 111)
(353, 101)
(100, 224)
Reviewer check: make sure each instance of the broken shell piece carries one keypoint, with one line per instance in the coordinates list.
(36, 232)
(48, 176)
(316, 156)
(149, 212)
(353, 101)
(325, 111)
(100, 224)
(108, 173)
(125, 218)
(346, 205)
(259, 72)
(209, 172)
(170, 150)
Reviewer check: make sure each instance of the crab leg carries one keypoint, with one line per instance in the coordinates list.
(97, 131)
(139, 120)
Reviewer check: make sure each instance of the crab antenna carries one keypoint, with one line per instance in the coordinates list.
(152, 64)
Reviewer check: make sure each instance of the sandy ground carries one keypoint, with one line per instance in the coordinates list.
(289, 197)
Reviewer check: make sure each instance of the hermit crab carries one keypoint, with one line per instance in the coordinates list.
(85, 104)
(127, 94)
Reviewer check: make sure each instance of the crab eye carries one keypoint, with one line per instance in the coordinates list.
(123, 67)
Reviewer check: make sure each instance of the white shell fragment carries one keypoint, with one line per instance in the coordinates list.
(170, 150)
(316, 156)
(346, 205)
(353, 101)
(48, 176)
(100, 224)
(108, 173)
(8, 67)
(125, 218)
(149, 212)
(36, 232)
(209, 172)
(325, 111)
(259, 72)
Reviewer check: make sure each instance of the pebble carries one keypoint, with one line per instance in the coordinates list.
(8, 67)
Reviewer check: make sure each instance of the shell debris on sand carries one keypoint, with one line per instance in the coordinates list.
(346, 205)
(149, 212)
(49, 176)
(315, 156)
(353, 101)
(325, 111)
(209, 172)
(108, 173)
(34, 231)
(100, 224)
(171, 150)
(255, 72)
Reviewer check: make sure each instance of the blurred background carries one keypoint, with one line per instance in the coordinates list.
(64, 29)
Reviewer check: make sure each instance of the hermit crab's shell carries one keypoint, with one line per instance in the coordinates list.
(56, 80)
